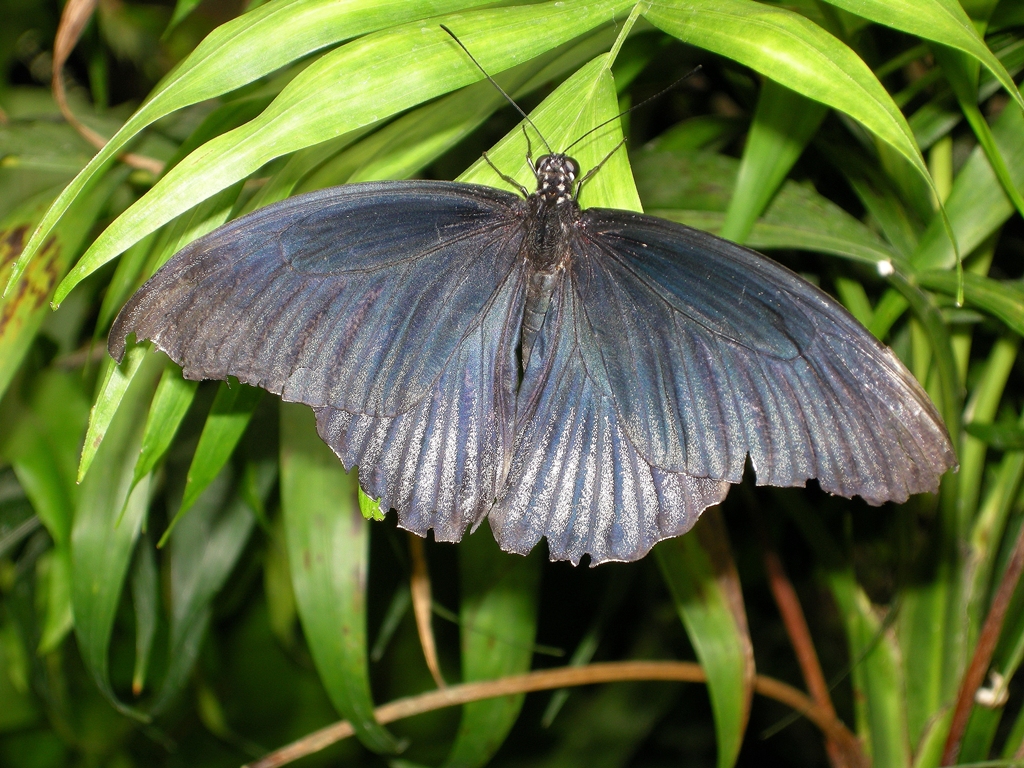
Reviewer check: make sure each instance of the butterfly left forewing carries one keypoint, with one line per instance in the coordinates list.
(712, 352)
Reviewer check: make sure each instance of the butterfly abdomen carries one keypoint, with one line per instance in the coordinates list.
(538, 300)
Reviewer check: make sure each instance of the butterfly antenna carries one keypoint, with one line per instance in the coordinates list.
(501, 90)
(649, 99)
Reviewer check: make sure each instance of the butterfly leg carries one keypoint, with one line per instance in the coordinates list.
(525, 192)
(596, 168)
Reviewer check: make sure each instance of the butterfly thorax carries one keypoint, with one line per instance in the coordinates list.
(554, 212)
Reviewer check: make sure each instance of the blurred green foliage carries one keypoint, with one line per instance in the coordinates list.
(824, 133)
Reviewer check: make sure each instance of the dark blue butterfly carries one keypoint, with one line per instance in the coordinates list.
(595, 377)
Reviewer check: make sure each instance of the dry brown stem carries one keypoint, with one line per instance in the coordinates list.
(563, 677)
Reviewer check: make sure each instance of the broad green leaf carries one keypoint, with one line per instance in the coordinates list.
(1000, 493)
(182, 10)
(498, 622)
(1001, 437)
(876, 670)
(977, 205)
(328, 551)
(855, 299)
(186, 228)
(878, 194)
(24, 307)
(962, 74)
(113, 384)
(277, 585)
(59, 620)
(101, 543)
(942, 21)
(229, 416)
(783, 124)
(877, 675)
(125, 279)
(685, 179)
(795, 53)
(699, 571)
(18, 707)
(410, 64)
(146, 604)
(411, 142)
(707, 132)
(939, 339)
(41, 446)
(999, 298)
(205, 547)
(583, 101)
(694, 187)
(171, 402)
(239, 52)
(982, 406)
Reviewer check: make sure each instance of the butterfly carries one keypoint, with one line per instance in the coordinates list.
(594, 377)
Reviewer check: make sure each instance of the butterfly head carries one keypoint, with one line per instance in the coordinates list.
(556, 178)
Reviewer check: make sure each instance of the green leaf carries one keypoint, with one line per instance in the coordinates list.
(1001, 437)
(795, 53)
(239, 52)
(182, 10)
(42, 445)
(693, 187)
(370, 508)
(999, 298)
(277, 585)
(699, 571)
(498, 621)
(328, 553)
(983, 404)
(18, 708)
(171, 402)
(977, 205)
(878, 194)
(414, 140)
(24, 307)
(113, 384)
(101, 544)
(229, 416)
(411, 64)
(783, 124)
(59, 619)
(877, 675)
(939, 339)
(941, 21)
(204, 549)
(145, 588)
(962, 74)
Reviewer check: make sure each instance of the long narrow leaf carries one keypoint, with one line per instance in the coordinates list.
(411, 64)
(783, 124)
(101, 543)
(942, 21)
(795, 53)
(239, 52)
(328, 550)
(702, 578)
